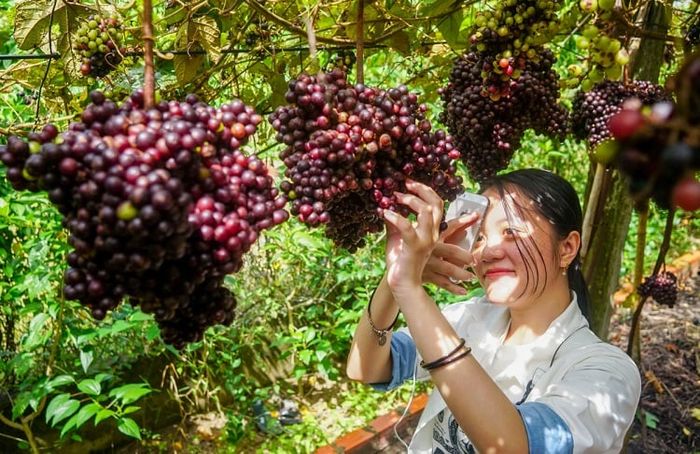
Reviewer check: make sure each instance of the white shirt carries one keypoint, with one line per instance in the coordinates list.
(593, 386)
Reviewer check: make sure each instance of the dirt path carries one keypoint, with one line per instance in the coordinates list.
(670, 374)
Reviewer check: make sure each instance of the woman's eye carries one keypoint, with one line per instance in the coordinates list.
(510, 232)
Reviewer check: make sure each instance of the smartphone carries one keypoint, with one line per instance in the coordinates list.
(466, 203)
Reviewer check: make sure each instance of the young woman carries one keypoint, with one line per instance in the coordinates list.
(517, 370)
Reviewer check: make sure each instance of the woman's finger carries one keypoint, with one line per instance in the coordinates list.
(430, 197)
(449, 270)
(453, 253)
(401, 224)
(445, 283)
(457, 226)
(410, 200)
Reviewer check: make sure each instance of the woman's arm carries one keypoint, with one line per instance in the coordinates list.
(484, 413)
(370, 362)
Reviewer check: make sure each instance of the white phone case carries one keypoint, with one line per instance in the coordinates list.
(466, 203)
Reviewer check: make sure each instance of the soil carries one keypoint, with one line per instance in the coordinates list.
(670, 374)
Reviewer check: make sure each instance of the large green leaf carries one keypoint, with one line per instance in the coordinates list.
(451, 29)
(195, 34)
(81, 417)
(60, 408)
(90, 386)
(128, 426)
(32, 19)
(130, 393)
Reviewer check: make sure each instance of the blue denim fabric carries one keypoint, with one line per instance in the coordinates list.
(403, 360)
(547, 433)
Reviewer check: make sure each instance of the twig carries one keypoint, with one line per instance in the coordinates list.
(360, 57)
(149, 80)
(659, 261)
(48, 65)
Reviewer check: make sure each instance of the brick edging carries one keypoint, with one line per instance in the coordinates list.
(377, 434)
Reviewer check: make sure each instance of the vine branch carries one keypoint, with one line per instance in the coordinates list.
(360, 57)
(149, 81)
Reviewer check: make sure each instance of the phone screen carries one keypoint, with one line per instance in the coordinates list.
(466, 203)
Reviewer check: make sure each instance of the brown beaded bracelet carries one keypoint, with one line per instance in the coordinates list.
(465, 352)
(445, 359)
(380, 333)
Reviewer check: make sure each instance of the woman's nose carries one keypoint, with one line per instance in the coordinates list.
(492, 250)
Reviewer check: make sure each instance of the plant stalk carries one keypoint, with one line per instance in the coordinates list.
(360, 57)
(149, 80)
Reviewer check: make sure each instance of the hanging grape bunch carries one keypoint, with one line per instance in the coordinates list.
(97, 42)
(160, 204)
(663, 288)
(510, 35)
(658, 147)
(605, 56)
(592, 109)
(487, 129)
(348, 148)
(343, 60)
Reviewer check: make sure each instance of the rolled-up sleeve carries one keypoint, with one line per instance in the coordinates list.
(403, 361)
(597, 400)
(546, 432)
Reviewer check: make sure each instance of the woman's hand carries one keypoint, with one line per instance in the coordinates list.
(446, 265)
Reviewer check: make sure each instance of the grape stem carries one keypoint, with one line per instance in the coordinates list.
(360, 57)
(634, 329)
(149, 81)
(639, 262)
(591, 209)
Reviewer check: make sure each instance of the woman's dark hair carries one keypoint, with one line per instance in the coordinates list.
(556, 200)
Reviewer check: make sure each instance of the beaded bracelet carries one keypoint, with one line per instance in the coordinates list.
(380, 333)
(448, 358)
(465, 352)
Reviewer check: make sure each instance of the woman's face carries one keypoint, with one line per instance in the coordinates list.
(512, 270)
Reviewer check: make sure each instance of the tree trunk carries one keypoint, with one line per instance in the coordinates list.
(602, 264)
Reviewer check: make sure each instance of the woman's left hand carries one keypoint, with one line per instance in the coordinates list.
(409, 245)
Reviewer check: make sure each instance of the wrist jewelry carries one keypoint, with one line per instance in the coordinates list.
(459, 352)
(380, 333)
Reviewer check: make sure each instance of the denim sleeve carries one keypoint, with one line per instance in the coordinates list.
(403, 360)
(546, 432)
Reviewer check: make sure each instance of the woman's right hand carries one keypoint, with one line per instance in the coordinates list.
(447, 265)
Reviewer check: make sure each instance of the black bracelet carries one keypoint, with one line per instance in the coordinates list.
(465, 352)
(439, 361)
(380, 333)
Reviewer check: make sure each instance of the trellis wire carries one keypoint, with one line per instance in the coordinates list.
(162, 54)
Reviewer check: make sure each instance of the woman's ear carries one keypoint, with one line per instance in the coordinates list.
(568, 248)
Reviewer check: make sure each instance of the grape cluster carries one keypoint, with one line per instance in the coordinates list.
(657, 147)
(344, 60)
(160, 204)
(604, 54)
(348, 148)
(662, 287)
(592, 109)
(97, 42)
(488, 124)
(509, 36)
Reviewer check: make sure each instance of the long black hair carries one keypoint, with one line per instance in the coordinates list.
(556, 200)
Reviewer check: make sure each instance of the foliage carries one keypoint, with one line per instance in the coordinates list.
(299, 298)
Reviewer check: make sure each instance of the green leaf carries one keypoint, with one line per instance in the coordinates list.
(80, 418)
(90, 386)
(436, 7)
(21, 403)
(451, 29)
(32, 19)
(103, 414)
(61, 407)
(305, 356)
(37, 336)
(400, 41)
(128, 427)
(86, 359)
(200, 32)
(130, 393)
(651, 420)
(130, 409)
(59, 380)
(138, 316)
